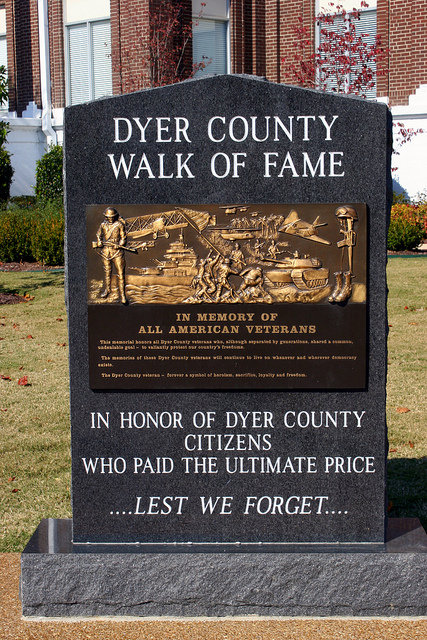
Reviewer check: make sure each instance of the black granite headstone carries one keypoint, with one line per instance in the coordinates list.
(226, 287)
(228, 364)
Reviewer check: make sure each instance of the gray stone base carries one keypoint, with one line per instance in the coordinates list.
(59, 578)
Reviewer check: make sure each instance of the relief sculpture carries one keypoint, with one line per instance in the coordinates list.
(347, 217)
(111, 239)
(225, 254)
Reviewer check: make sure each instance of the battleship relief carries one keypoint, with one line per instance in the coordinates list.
(233, 253)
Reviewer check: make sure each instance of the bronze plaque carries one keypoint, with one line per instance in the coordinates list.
(233, 296)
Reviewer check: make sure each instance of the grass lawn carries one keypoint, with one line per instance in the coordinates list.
(34, 417)
(406, 387)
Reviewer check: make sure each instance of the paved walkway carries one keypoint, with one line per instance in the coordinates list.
(13, 627)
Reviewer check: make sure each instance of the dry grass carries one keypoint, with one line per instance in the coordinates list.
(34, 419)
(406, 387)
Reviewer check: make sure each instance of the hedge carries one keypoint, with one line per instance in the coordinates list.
(33, 234)
(408, 226)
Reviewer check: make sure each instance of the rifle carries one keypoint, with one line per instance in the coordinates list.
(115, 246)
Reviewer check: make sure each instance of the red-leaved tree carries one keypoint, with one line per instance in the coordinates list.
(343, 62)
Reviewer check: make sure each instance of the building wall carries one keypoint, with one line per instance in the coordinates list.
(403, 27)
(23, 57)
(261, 36)
(129, 24)
(27, 143)
(261, 31)
(409, 163)
(57, 52)
(130, 34)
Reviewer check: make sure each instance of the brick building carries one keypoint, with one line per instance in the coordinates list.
(61, 52)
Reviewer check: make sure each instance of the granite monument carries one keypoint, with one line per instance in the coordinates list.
(226, 289)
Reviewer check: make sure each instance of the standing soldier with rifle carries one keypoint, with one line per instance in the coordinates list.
(111, 238)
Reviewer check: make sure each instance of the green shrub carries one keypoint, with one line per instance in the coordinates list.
(23, 202)
(47, 240)
(15, 236)
(407, 227)
(400, 198)
(49, 185)
(33, 234)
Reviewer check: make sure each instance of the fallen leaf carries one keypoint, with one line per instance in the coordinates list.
(406, 307)
(4, 377)
(28, 297)
(11, 479)
(23, 382)
(392, 450)
(59, 319)
(61, 344)
(16, 326)
(15, 490)
(20, 368)
(411, 444)
(414, 323)
(30, 337)
(402, 410)
(390, 325)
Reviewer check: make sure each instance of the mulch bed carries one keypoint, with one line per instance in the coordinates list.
(420, 252)
(13, 298)
(25, 266)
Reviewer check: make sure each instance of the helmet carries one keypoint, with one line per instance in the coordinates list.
(346, 212)
(110, 212)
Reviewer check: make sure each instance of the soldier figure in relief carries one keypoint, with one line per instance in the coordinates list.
(111, 237)
(237, 256)
(222, 274)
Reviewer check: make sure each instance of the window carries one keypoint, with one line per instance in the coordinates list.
(366, 28)
(211, 36)
(89, 61)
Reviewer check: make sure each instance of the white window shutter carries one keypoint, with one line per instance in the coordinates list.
(78, 47)
(367, 25)
(101, 59)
